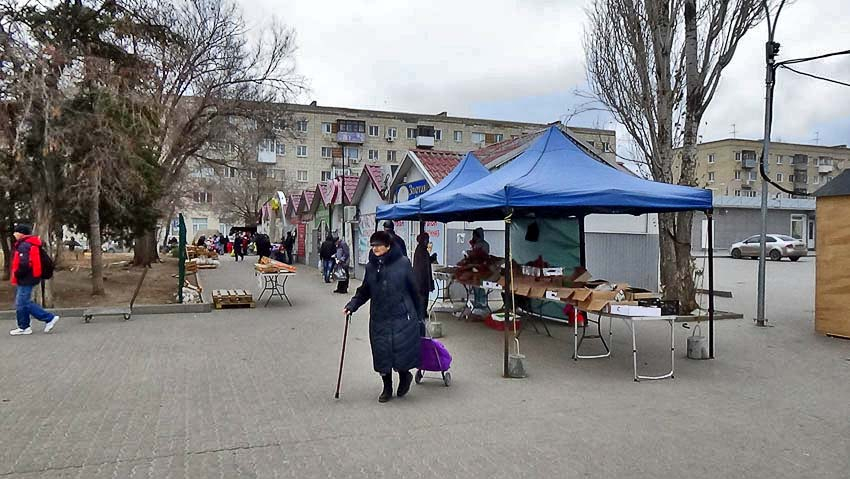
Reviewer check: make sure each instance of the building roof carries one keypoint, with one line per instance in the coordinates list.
(438, 164)
(376, 175)
(306, 201)
(759, 143)
(839, 186)
(744, 202)
(371, 175)
(292, 204)
(321, 196)
(350, 187)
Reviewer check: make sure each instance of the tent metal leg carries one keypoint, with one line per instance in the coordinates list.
(582, 244)
(508, 296)
(710, 216)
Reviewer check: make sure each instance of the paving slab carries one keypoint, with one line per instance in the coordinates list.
(249, 393)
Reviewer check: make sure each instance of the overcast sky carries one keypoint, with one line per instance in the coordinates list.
(523, 59)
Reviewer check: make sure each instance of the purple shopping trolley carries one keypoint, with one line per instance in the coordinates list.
(434, 357)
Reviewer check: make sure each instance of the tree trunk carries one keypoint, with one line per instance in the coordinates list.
(144, 248)
(94, 235)
(43, 228)
(6, 245)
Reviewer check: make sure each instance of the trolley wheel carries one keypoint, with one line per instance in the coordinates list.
(418, 376)
(87, 318)
(126, 317)
(447, 378)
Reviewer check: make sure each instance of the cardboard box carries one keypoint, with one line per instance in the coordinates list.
(553, 271)
(637, 311)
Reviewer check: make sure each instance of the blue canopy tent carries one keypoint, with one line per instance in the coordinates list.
(557, 177)
(468, 171)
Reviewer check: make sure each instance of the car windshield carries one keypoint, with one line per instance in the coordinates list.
(786, 238)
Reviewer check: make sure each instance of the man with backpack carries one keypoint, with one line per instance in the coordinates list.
(30, 265)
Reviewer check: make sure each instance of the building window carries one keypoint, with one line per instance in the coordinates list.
(737, 192)
(779, 177)
(278, 124)
(302, 176)
(778, 159)
(391, 155)
(352, 126)
(301, 151)
(230, 172)
(351, 152)
(478, 137)
(301, 125)
(816, 180)
(738, 175)
(752, 176)
(711, 158)
(326, 176)
(327, 128)
(751, 194)
(711, 177)
(392, 133)
(792, 178)
(267, 144)
(374, 130)
(277, 173)
(327, 152)
(373, 155)
(198, 224)
(829, 178)
(280, 148)
(606, 147)
(458, 136)
(411, 133)
(202, 197)
(203, 172)
(498, 137)
(438, 135)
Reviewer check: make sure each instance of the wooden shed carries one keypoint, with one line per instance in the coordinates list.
(832, 284)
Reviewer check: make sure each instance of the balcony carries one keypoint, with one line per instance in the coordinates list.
(424, 141)
(825, 169)
(801, 162)
(350, 131)
(748, 163)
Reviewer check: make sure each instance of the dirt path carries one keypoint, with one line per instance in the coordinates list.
(72, 283)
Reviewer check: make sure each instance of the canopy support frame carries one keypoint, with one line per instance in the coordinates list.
(710, 214)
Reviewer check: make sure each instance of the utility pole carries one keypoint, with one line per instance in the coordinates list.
(771, 50)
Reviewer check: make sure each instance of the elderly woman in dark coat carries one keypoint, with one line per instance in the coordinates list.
(394, 315)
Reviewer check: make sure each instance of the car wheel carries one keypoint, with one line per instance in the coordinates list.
(794, 258)
(775, 255)
(736, 253)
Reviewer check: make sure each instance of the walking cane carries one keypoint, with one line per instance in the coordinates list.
(342, 356)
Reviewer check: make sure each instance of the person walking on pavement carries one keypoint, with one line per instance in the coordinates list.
(395, 313)
(397, 242)
(343, 256)
(26, 274)
(288, 245)
(264, 245)
(326, 253)
(422, 269)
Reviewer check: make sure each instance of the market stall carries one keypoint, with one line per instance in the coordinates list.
(557, 178)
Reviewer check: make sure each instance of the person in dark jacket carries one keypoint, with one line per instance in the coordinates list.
(342, 257)
(397, 242)
(327, 250)
(263, 245)
(288, 245)
(237, 247)
(26, 274)
(422, 269)
(394, 315)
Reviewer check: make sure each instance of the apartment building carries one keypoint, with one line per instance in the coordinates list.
(310, 144)
(730, 167)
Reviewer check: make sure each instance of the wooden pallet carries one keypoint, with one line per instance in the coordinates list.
(232, 298)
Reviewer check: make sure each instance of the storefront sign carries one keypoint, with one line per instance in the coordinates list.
(409, 191)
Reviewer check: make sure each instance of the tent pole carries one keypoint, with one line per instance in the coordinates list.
(581, 242)
(508, 288)
(710, 214)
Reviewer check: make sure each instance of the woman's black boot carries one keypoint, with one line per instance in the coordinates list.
(387, 393)
(404, 380)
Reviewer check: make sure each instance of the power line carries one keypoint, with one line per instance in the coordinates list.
(817, 57)
(811, 75)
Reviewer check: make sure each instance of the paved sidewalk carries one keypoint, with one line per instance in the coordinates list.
(248, 393)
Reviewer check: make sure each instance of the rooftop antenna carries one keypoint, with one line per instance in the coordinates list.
(817, 138)
(734, 131)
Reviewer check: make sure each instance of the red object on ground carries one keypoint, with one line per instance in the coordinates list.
(499, 325)
(570, 312)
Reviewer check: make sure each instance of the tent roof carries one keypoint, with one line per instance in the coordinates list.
(839, 186)
(556, 177)
(467, 171)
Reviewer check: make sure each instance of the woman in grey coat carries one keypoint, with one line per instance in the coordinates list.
(394, 315)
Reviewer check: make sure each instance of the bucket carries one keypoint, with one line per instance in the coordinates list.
(697, 345)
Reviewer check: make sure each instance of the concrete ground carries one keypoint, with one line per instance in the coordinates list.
(248, 393)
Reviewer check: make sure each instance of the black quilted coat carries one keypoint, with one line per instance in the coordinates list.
(395, 313)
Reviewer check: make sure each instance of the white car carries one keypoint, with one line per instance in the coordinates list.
(777, 247)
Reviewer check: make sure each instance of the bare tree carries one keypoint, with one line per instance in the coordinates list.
(656, 64)
(209, 71)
